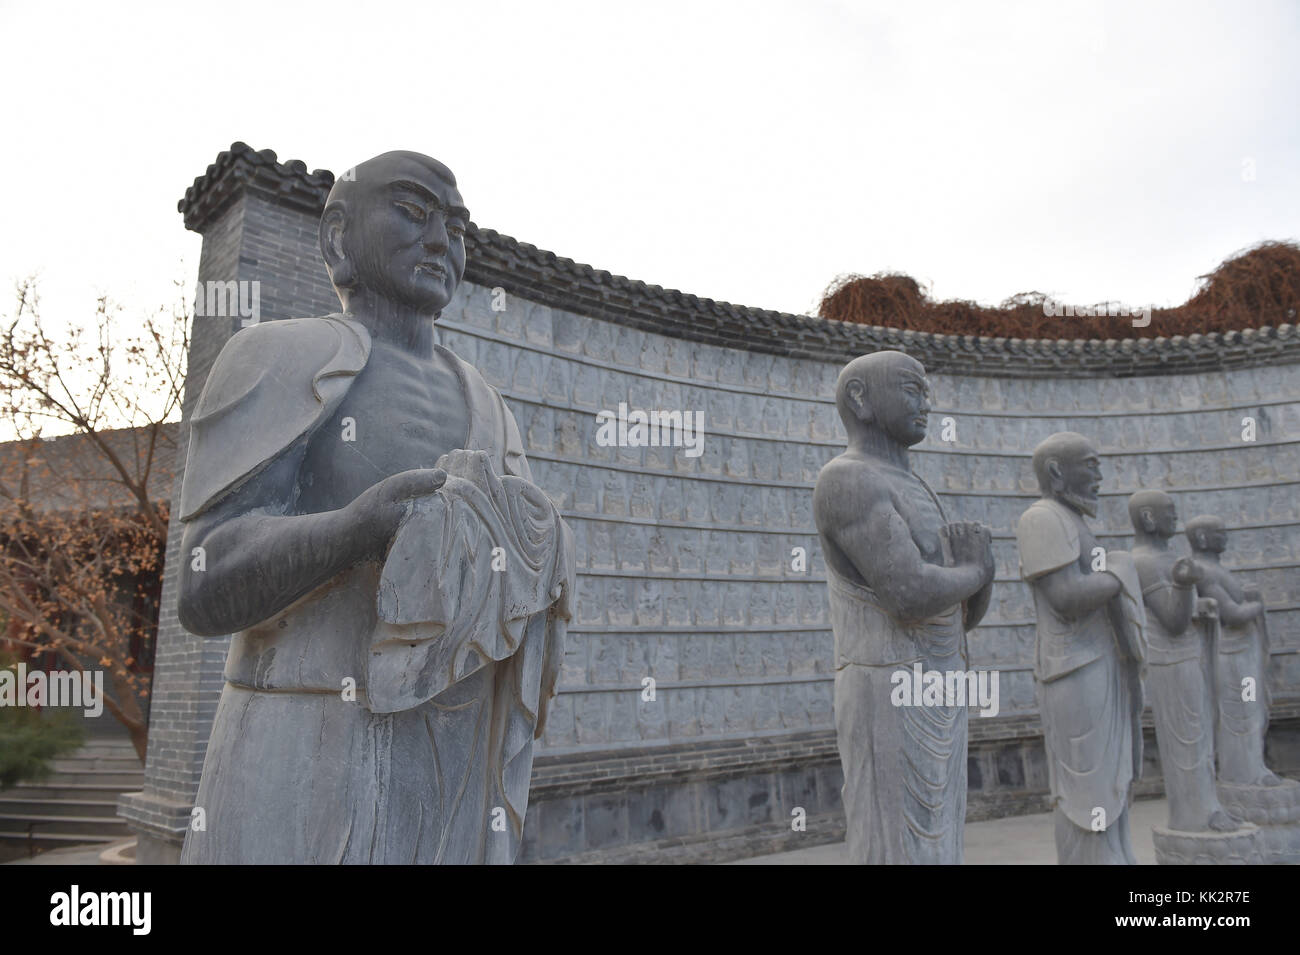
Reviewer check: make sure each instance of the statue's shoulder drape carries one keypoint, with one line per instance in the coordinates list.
(1047, 539)
(272, 384)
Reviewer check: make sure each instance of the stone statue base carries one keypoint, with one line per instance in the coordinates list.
(1275, 809)
(1240, 847)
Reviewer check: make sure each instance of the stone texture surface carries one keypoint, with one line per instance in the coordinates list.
(1275, 810)
(1239, 846)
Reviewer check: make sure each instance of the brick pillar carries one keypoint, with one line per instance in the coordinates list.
(258, 219)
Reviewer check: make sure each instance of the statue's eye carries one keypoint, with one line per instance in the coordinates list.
(411, 209)
(456, 229)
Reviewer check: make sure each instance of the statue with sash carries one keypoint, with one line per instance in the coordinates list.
(397, 587)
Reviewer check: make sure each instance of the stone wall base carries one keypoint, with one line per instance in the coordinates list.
(709, 802)
(159, 824)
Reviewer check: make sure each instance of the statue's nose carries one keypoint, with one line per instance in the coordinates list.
(435, 237)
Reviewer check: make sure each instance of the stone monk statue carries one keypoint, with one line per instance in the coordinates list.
(1247, 787)
(1242, 655)
(360, 515)
(1182, 700)
(905, 586)
(1090, 658)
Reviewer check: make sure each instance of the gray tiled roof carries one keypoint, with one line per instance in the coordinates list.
(496, 260)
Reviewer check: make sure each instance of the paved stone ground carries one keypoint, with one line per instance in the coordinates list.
(73, 855)
(1014, 840)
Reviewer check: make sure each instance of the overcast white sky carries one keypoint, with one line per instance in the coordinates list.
(747, 152)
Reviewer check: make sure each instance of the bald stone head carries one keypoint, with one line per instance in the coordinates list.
(1207, 534)
(888, 391)
(393, 234)
(1154, 513)
(1068, 469)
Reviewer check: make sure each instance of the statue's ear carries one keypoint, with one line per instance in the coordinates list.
(857, 392)
(1054, 472)
(1148, 520)
(331, 246)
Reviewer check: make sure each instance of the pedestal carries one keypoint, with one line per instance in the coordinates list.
(1239, 847)
(1275, 809)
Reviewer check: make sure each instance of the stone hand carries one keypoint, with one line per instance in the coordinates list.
(1253, 595)
(377, 512)
(971, 543)
(466, 463)
(1207, 607)
(1187, 572)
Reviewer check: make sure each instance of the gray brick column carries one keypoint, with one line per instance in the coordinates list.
(258, 218)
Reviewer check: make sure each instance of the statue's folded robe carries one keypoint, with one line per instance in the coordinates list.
(1180, 687)
(402, 777)
(478, 573)
(1241, 725)
(466, 571)
(1089, 672)
(904, 766)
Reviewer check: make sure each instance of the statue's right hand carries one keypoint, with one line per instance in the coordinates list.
(378, 511)
(1187, 572)
(970, 542)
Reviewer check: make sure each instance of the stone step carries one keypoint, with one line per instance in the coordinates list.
(97, 777)
(12, 805)
(76, 803)
(111, 742)
(79, 762)
(43, 825)
(53, 840)
(53, 789)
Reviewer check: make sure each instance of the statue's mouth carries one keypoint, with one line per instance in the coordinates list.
(1082, 500)
(433, 268)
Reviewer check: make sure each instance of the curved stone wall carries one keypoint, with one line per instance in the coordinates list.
(686, 570)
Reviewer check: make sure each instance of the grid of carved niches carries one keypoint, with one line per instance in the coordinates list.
(742, 682)
(676, 552)
(1162, 394)
(990, 446)
(709, 707)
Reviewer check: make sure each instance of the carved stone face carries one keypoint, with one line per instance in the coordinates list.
(404, 232)
(900, 401)
(1080, 471)
(1166, 518)
(1212, 539)
(1160, 518)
